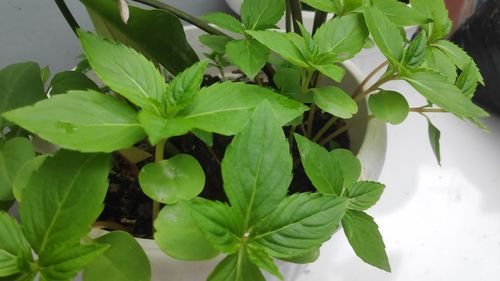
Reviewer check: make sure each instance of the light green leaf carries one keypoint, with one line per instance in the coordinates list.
(335, 101)
(364, 194)
(300, 224)
(343, 36)
(437, 90)
(437, 11)
(184, 87)
(236, 267)
(84, 121)
(332, 71)
(23, 175)
(157, 34)
(178, 235)
(178, 178)
(257, 167)
(468, 80)
(261, 14)
(222, 226)
(330, 6)
(70, 188)
(309, 257)
(134, 154)
(261, 259)
(349, 164)
(124, 260)
(401, 14)
(125, 71)
(282, 45)
(324, 171)
(225, 21)
(385, 34)
(20, 85)
(248, 55)
(365, 238)
(215, 42)
(434, 139)
(158, 127)
(71, 80)
(13, 246)
(13, 154)
(415, 54)
(63, 261)
(389, 106)
(436, 60)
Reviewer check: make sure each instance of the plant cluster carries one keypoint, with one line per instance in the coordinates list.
(153, 90)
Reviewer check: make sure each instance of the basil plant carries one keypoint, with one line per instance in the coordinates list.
(262, 115)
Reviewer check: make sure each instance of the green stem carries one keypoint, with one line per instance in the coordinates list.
(429, 110)
(345, 129)
(67, 15)
(159, 154)
(325, 128)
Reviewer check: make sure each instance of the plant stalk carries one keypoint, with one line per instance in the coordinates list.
(428, 110)
(67, 15)
(361, 86)
(159, 154)
(345, 129)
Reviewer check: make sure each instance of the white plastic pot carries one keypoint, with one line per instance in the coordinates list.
(367, 140)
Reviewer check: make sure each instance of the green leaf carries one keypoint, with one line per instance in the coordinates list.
(261, 259)
(330, 6)
(385, 34)
(288, 82)
(64, 197)
(389, 106)
(350, 165)
(146, 32)
(178, 235)
(364, 194)
(236, 267)
(125, 260)
(158, 127)
(437, 90)
(184, 87)
(401, 14)
(436, 10)
(322, 169)
(71, 80)
(84, 121)
(309, 257)
(222, 226)
(343, 36)
(257, 167)
(468, 80)
(206, 137)
(415, 54)
(215, 42)
(248, 55)
(22, 177)
(332, 71)
(335, 101)
(20, 85)
(300, 224)
(13, 154)
(178, 178)
(63, 261)
(436, 60)
(225, 21)
(13, 246)
(45, 74)
(125, 71)
(365, 238)
(134, 154)
(261, 14)
(282, 45)
(434, 139)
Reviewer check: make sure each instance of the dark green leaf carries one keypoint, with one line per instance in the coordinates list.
(248, 55)
(84, 121)
(70, 188)
(20, 85)
(13, 246)
(45, 74)
(13, 154)
(335, 101)
(257, 166)
(434, 138)
(300, 224)
(155, 33)
(365, 238)
(415, 54)
(389, 106)
(236, 267)
(288, 82)
(261, 14)
(281, 44)
(178, 235)
(125, 260)
(364, 194)
(206, 137)
(169, 181)
(184, 87)
(71, 80)
(215, 42)
(225, 21)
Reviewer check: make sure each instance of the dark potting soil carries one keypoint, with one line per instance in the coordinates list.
(128, 208)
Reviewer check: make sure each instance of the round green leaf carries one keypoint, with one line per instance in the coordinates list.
(350, 165)
(178, 235)
(168, 181)
(125, 260)
(389, 106)
(335, 101)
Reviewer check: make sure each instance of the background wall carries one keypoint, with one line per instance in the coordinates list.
(34, 30)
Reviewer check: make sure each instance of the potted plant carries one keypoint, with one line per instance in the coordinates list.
(243, 166)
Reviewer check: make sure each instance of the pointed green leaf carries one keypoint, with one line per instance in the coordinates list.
(125, 71)
(13, 154)
(178, 178)
(124, 260)
(389, 106)
(206, 137)
(261, 14)
(300, 224)
(436, 60)
(13, 246)
(400, 13)
(282, 45)
(434, 139)
(330, 6)
(467, 82)
(257, 166)
(178, 235)
(248, 55)
(332, 71)
(158, 127)
(71, 80)
(262, 260)
(225, 21)
(215, 42)
(236, 267)
(84, 121)
(70, 188)
(349, 164)
(23, 175)
(184, 87)
(365, 238)
(415, 54)
(364, 194)
(335, 101)
(436, 10)
(45, 74)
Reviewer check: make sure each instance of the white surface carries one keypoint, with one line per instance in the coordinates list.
(438, 223)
